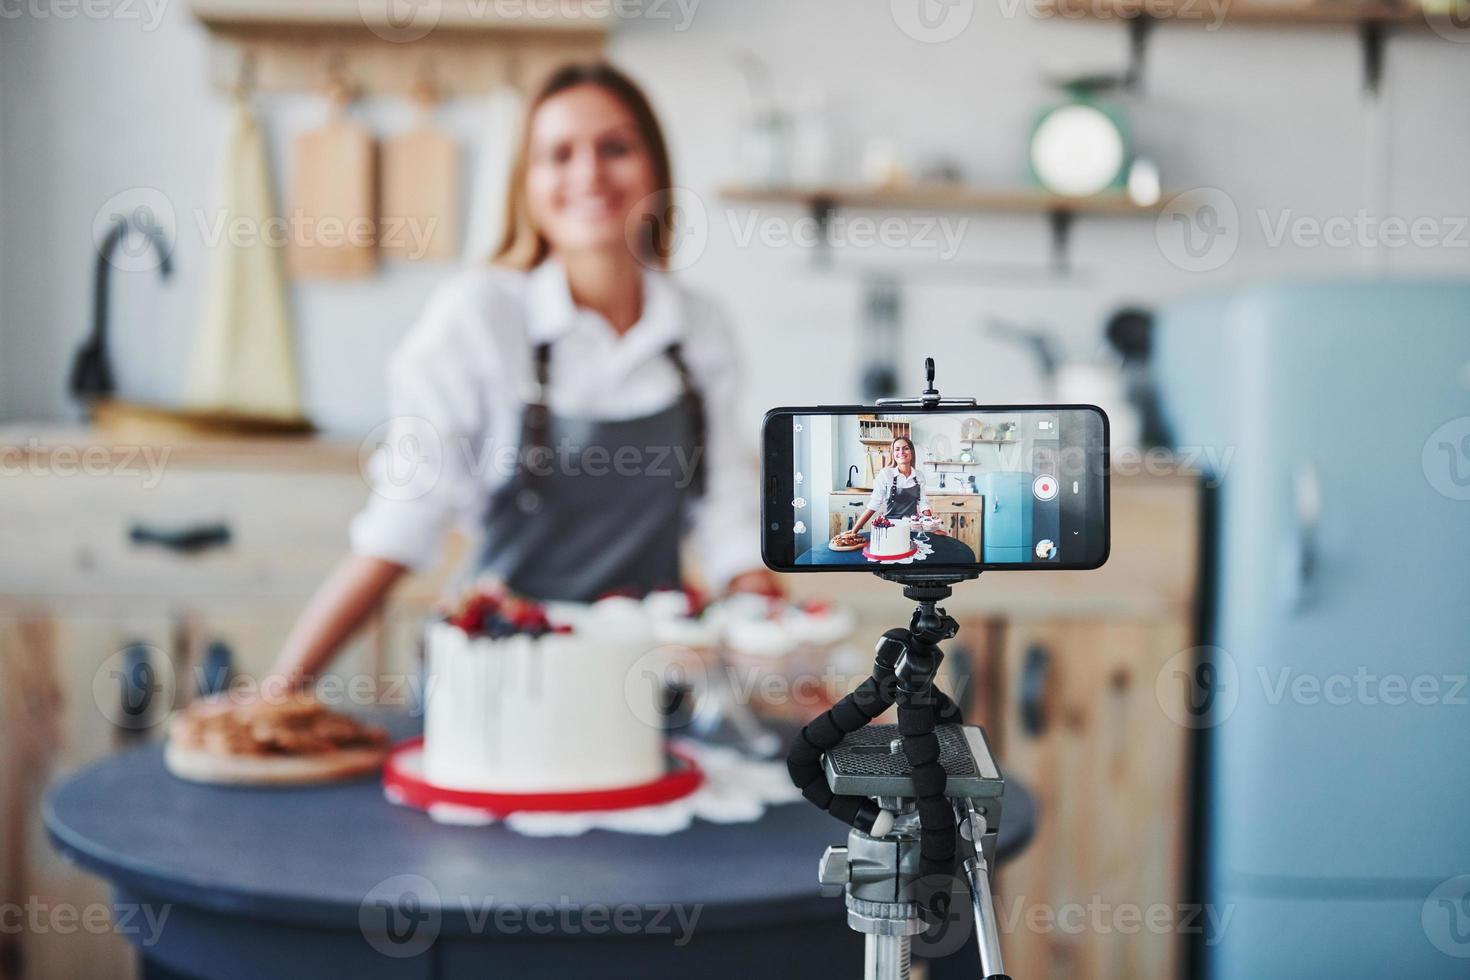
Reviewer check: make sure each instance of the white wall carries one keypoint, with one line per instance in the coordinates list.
(92, 108)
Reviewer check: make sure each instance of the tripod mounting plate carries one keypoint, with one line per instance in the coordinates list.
(869, 762)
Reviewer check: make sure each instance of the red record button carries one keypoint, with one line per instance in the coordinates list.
(1045, 487)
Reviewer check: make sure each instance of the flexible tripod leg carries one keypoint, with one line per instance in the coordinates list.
(918, 704)
(804, 759)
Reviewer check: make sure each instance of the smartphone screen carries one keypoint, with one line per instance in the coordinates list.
(855, 488)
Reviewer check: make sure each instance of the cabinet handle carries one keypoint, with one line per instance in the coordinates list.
(137, 683)
(189, 540)
(216, 670)
(1303, 543)
(1035, 671)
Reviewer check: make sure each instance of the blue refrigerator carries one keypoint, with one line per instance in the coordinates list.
(1334, 420)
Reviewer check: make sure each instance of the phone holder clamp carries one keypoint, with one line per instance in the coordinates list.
(928, 399)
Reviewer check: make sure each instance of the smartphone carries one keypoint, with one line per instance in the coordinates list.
(999, 487)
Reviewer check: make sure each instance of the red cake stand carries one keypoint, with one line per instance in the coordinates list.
(403, 782)
(872, 557)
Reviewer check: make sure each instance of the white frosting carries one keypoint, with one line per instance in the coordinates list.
(674, 626)
(555, 713)
(761, 637)
(890, 541)
(667, 604)
(765, 628)
(820, 629)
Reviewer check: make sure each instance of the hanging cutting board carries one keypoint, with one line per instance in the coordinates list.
(418, 219)
(333, 228)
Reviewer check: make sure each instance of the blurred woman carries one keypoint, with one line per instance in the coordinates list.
(569, 399)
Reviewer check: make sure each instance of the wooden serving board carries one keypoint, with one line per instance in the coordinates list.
(419, 217)
(198, 766)
(332, 203)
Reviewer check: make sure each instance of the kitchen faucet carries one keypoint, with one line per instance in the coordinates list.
(91, 371)
(851, 472)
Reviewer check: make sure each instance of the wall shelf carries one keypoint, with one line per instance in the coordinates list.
(824, 202)
(459, 47)
(1372, 19)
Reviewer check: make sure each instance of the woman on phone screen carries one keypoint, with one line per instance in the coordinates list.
(898, 490)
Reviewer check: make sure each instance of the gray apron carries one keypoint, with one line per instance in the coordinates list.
(902, 503)
(578, 520)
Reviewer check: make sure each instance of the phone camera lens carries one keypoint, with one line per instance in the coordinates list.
(775, 525)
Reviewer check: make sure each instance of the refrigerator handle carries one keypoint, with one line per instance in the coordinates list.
(1304, 557)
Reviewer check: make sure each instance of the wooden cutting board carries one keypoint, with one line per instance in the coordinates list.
(332, 218)
(419, 216)
(198, 766)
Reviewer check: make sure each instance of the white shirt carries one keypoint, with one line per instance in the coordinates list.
(878, 499)
(460, 379)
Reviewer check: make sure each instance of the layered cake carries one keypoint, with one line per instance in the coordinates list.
(522, 698)
(890, 539)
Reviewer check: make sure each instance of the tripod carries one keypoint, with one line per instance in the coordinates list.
(922, 797)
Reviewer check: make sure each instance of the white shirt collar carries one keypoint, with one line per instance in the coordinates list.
(551, 313)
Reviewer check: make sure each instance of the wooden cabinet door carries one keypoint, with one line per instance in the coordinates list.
(1099, 891)
(63, 707)
(845, 509)
(962, 518)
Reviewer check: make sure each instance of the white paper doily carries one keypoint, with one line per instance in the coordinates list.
(736, 789)
(922, 550)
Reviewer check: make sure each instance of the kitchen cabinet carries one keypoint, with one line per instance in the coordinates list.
(1109, 769)
(963, 516)
(1066, 670)
(110, 552)
(844, 509)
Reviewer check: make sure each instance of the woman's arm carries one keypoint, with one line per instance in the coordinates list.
(419, 474)
(866, 516)
(725, 522)
(354, 589)
(878, 499)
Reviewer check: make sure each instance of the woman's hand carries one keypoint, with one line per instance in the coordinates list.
(758, 581)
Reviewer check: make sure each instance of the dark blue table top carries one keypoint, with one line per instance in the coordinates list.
(947, 550)
(309, 856)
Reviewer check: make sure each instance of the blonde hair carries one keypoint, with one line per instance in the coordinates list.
(522, 246)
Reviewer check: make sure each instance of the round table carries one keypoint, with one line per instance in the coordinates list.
(947, 550)
(336, 881)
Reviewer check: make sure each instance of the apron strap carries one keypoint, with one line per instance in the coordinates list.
(538, 415)
(694, 407)
(536, 427)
